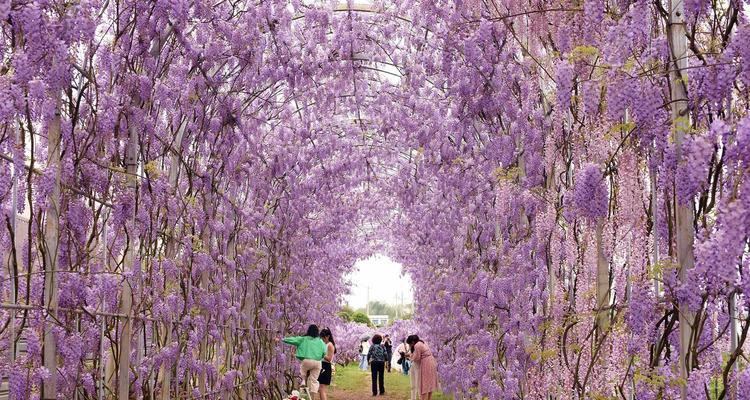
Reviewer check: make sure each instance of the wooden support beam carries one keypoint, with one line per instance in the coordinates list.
(51, 244)
(684, 213)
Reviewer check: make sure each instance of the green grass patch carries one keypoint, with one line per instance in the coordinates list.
(349, 383)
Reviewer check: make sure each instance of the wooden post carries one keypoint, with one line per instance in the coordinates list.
(602, 281)
(628, 284)
(13, 256)
(733, 312)
(210, 211)
(140, 350)
(549, 187)
(51, 242)
(655, 233)
(126, 301)
(106, 370)
(165, 372)
(229, 332)
(102, 378)
(684, 214)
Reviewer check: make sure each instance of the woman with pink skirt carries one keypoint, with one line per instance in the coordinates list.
(424, 361)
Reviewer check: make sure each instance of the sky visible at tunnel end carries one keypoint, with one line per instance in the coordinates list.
(384, 278)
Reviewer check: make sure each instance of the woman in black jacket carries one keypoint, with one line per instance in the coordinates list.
(376, 358)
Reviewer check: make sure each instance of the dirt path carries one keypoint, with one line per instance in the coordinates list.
(348, 394)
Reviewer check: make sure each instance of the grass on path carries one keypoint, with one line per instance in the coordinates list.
(349, 383)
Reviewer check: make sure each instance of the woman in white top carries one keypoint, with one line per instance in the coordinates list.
(403, 367)
(364, 348)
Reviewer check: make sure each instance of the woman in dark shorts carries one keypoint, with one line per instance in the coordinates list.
(326, 373)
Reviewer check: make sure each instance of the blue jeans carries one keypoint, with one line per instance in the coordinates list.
(405, 367)
(363, 362)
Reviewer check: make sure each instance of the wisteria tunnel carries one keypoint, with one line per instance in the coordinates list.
(566, 182)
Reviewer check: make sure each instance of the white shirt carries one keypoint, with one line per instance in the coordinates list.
(365, 348)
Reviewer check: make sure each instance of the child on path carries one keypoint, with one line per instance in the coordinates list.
(376, 356)
(310, 350)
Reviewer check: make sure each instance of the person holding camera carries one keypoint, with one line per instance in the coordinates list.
(403, 357)
(388, 352)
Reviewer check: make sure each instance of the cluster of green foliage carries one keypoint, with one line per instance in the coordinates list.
(392, 311)
(359, 315)
(349, 315)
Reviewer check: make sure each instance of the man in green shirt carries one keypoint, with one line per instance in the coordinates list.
(310, 350)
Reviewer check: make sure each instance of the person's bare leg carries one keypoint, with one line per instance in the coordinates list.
(323, 392)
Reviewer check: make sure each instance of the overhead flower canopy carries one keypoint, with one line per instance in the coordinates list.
(566, 182)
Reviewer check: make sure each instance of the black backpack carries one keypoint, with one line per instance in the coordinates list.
(378, 353)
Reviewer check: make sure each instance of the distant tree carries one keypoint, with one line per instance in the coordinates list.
(345, 316)
(347, 309)
(346, 313)
(378, 308)
(393, 311)
(361, 318)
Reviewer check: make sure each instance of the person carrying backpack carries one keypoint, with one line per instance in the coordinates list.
(376, 356)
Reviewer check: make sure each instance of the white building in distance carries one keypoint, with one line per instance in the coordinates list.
(378, 320)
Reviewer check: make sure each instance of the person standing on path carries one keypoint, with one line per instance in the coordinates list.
(424, 361)
(376, 357)
(388, 352)
(310, 350)
(403, 357)
(364, 347)
(414, 378)
(327, 364)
